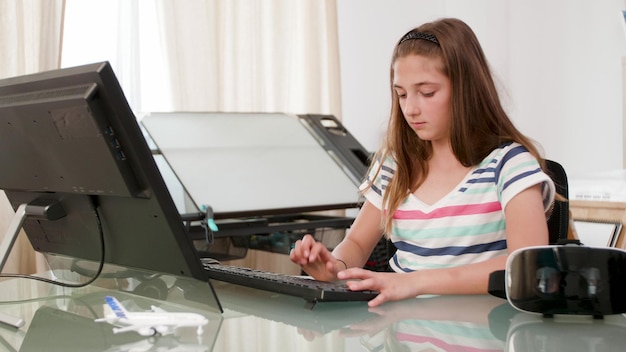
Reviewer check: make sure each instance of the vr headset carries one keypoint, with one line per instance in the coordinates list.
(564, 279)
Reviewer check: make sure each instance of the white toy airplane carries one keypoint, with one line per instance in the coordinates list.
(151, 322)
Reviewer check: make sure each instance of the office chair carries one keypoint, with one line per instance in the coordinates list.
(558, 221)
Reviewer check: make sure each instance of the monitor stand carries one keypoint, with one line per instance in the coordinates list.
(41, 209)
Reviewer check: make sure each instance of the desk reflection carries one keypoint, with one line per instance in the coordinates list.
(577, 334)
(61, 319)
(482, 323)
(436, 323)
(439, 323)
(68, 324)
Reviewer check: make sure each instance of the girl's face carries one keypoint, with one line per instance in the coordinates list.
(424, 96)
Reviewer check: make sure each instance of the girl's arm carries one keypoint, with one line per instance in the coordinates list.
(362, 237)
(525, 225)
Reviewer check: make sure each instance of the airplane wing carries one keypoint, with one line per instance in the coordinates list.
(143, 330)
(127, 328)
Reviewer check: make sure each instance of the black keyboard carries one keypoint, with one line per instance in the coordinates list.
(311, 290)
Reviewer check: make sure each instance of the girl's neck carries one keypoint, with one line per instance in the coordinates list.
(442, 153)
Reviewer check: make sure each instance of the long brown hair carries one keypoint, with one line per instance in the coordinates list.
(479, 122)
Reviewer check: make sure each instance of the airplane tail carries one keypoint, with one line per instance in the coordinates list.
(116, 307)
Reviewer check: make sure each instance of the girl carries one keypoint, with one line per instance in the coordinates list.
(455, 186)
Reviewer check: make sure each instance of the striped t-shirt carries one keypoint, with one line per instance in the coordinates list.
(467, 225)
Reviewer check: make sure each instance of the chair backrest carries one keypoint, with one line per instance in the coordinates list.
(558, 220)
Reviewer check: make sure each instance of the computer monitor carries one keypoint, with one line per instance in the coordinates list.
(71, 148)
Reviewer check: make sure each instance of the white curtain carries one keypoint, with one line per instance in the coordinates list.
(30, 41)
(252, 55)
(212, 55)
(261, 56)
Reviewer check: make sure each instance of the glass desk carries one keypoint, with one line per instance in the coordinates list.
(62, 319)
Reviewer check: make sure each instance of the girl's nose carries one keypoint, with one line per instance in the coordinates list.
(411, 105)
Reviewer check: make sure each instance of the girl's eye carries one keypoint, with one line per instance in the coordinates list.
(428, 94)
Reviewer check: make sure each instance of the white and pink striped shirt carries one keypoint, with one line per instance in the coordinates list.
(467, 225)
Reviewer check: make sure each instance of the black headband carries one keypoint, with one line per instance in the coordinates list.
(419, 35)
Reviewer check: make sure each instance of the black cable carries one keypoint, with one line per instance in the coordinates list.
(70, 285)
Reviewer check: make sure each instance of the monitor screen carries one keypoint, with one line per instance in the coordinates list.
(70, 140)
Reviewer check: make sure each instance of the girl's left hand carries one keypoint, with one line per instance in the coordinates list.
(391, 286)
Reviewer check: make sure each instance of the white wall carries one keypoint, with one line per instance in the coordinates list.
(558, 63)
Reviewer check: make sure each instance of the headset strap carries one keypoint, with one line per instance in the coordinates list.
(496, 284)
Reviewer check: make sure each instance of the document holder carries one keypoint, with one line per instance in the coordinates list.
(264, 177)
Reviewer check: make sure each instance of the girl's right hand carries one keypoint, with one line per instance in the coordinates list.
(315, 259)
